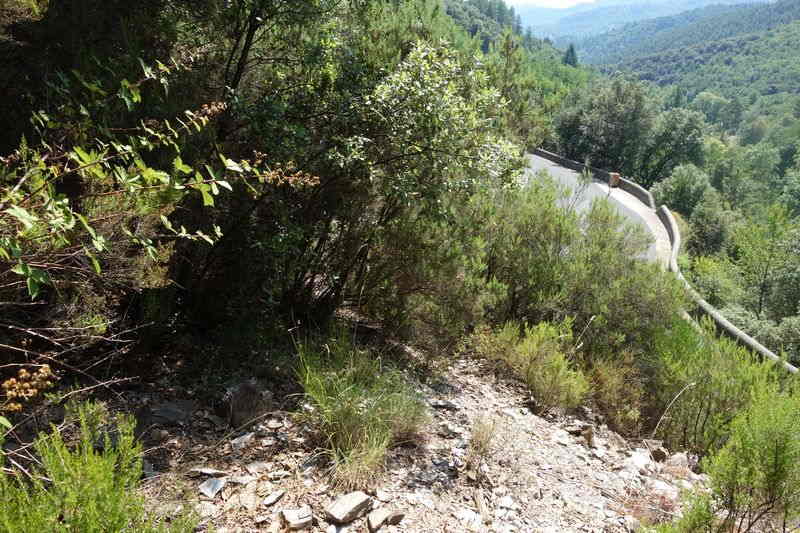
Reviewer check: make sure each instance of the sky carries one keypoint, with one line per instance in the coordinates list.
(547, 3)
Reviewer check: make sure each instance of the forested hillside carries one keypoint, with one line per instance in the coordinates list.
(565, 25)
(749, 66)
(280, 219)
(686, 29)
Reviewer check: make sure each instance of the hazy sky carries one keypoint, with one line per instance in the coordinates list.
(547, 3)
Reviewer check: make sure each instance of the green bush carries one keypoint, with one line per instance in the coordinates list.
(543, 357)
(755, 477)
(617, 387)
(555, 262)
(683, 189)
(701, 382)
(88, 487)
(358, 407)
(716, 279)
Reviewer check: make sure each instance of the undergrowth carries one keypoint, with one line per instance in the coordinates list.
(359, 407)
(88, 485)
(542, 356)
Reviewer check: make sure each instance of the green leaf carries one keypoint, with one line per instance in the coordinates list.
(83, 157)
(27, 219)
(208, 200)
(180, 166)
(33, 287)
(95, 262)
(5, 422)
(86, 225)
(230, 164)
(167, 223)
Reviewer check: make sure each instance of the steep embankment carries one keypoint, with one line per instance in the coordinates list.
(534, 474)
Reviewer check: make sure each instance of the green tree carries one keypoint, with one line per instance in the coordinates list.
(762, 250)
(683, 189)
(570, 56)
(606, 122)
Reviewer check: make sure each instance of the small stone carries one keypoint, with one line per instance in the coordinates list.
(444, 405)
(632, 524)
(576, 427)
(273, 498)
(279, 474)
(248, 497)
(210, 487)
(507, 502)
(159, 435)
(662, 489)
(298, 518)
(274, 424)
(448, 430)
(239, 443)
(148, 471)
(377, 518)
(205, 471)
(468, 516)
(639, 461)
(348, 507)
(678, 460)
(395, 517)
(178, 412)
(257, 467)
(427, 502)
(207, 509)
(562, 437)
(241, 480)
(383, 515)
(383, 496)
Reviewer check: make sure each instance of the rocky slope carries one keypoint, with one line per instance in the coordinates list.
(535, 475)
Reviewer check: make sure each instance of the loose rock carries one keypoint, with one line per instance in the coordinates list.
(298, 518)
(274, 497)
(383, 515)
(348, 507)
(210, 487)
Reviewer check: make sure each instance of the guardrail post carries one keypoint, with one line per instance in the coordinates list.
(613, 179)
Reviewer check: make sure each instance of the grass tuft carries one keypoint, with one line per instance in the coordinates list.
(359, 408)
(484, 430)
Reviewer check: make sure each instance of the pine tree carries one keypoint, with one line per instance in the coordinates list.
(570, 57)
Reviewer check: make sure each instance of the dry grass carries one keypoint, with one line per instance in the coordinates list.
(484, 430)
(359, 408)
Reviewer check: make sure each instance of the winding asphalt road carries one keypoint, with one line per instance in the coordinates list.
(627, 204)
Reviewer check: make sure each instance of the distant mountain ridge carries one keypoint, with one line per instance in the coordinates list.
(686, 29)
(584, 20)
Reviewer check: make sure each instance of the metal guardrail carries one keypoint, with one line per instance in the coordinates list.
(724, 326)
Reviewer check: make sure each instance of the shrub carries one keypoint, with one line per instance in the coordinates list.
(88, 487)
(683, 189)
(358, 407)
(618, 391)
(716, 279)
(542, 357)
(764, 330)
(755, 477)
(701, 381)
(556, 262)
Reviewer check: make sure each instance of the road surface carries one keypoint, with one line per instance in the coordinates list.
(627, 204)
